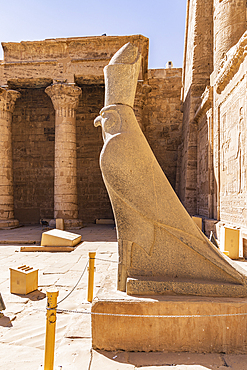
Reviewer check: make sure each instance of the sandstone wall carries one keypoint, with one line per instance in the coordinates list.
(162, 118)
(202, 168)
(33, 156)
(233, 207)
(198, 65)
(221, 122)
(205, 171)
(93, 200)
(230, 105)
(30, 67)
(34, 135)
(79, 59)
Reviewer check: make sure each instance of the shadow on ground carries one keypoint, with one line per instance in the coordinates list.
(144, 359)
(36, 295)
(5, 322)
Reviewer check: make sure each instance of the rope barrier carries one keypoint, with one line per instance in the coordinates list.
(94, 258)
(127, 315)
(148, 316)
(101, 259)
(83, 272)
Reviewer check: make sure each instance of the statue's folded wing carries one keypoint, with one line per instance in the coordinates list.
(139, 189)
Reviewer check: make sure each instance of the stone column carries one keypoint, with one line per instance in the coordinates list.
(65, 99)
(229, 26)
(7, 104)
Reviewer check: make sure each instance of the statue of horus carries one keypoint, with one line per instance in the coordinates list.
(161, 250)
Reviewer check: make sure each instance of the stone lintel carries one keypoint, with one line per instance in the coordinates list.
(31, 83)
(63, 57)
(74, 46)
(90, 79)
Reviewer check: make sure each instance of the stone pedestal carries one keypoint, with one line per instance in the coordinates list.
(166, 323)
(176, 324)
(7, 103)
(65, 99)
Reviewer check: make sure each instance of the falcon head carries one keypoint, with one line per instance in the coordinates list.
(110, 121)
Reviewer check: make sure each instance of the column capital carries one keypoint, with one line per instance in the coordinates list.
(64, 96)
(8, 99)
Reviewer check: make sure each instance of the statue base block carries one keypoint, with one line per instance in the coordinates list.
(146, 285)
(201, 324)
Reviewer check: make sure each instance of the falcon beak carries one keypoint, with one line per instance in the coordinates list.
(97, 121)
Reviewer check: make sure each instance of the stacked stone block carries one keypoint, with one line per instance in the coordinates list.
(7, 103)
(33, 156)
(65, 98)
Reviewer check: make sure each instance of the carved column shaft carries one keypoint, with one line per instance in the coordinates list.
(229, 26)
(7, 103)
(65, 99)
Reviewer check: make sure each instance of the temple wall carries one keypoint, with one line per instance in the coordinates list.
(33, 134)
(230, 103)
(93, 200)
(220, 117)
(162, 118)
(198, 64)
(233, 207)
(202, 168)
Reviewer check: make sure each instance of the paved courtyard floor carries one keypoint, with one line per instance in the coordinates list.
(22, 328)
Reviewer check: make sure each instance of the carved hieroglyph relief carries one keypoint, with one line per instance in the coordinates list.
(232, 133)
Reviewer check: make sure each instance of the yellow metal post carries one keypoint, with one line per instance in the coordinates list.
(50, 329)
(91, 276)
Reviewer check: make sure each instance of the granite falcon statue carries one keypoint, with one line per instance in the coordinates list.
(161, 250)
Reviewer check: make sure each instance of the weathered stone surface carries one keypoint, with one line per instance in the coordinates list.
(30, 67)
(214, 179)
(154, 229)
(190, 324)
(229, 25)
(162, 117)
(203, 157)
(65, 59)
(198, 64)
(7, 103)
(209, 334)
(127, 68)
(33, 138)
(65, 99)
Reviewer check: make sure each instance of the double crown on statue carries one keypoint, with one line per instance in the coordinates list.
(121, 75)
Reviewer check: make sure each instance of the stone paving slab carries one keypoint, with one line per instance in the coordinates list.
(236, 362)
(99, 361)
(74, 354)
(180, 367)
(211, 361)
(15, 357)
